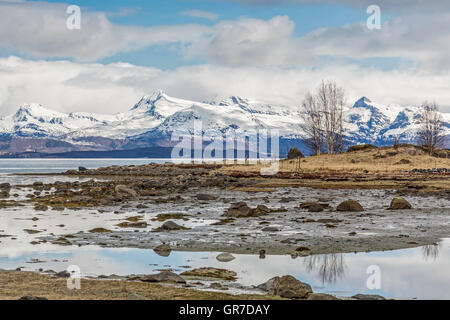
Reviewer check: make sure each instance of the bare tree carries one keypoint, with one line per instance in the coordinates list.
(312, 124)
(323, 121)
(431, 133)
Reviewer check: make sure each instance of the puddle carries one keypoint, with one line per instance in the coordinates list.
(419, 273)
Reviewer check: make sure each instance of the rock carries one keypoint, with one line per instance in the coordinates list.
(125, 191)
(41, 207)
(286, 287)
(99, 230)
(205, 197)
(32, 298)
(62, 274)
(270, 229)
(217, 286)
(82, 169)
(368, 297)
(5, 186)
(136, 297)
(399, 203)
(321, 296)
(315, 208)
(350, 206)
(164, 276)
(170, 225)
(238, 210)
(242, 210)
(211, 273)
(225, 257)
(163, 250)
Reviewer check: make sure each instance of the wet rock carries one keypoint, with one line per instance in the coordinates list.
(170, 226)
(41, 207)
(206, 197)
(210, 273)
(225, 257)
(238, 210)
(163, 276)
(262, 254)
(350, 206)
(286, 287)
(314, 206)
(125, 192)
(217, 286)
(141, 224)
(399, 203)
(62, 274)
(5, 186)
(30, 298)
(163, 250)
(270, 229)
(321, 296)
(242, 210)
(368, 297)
(99, 230)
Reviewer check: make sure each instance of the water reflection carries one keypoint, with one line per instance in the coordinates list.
(330, 267)
(431, 252)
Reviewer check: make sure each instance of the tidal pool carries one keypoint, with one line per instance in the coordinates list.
(418, 273)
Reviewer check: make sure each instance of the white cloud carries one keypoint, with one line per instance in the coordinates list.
(39, 29)
(201, 14)
(68, 86)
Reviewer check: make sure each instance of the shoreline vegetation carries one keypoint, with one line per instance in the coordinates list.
(403, 172)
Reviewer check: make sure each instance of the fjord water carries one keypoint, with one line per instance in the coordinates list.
(61, 165)
(420, 273)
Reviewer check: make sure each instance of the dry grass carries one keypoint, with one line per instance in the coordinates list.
(15, 285)
(373, 160)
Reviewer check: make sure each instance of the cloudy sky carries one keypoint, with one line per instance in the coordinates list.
(196, 49)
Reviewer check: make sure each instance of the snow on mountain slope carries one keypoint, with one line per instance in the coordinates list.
(158, 115)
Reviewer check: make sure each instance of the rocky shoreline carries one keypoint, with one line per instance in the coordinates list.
(212, 208)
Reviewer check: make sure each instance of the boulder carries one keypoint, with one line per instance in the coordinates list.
(170, 225)
(350, 206)
(125, 192)
(206, 197)
(225, 257)
(211, 273)
(368, 297)
(399, 203)
(164, 276)
(270, 229)
(163, 250)
(321, 296)
(287, 287)
(238, 210)
(242, 210)
(316, 207)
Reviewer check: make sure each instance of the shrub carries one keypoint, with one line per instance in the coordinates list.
(361, 147)
(294, 153)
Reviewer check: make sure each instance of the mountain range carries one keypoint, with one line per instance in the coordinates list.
(34, 129)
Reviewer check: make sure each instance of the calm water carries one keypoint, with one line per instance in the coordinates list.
(61, 165)
(419, 273)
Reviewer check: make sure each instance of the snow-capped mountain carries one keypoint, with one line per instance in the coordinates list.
(155, 117)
